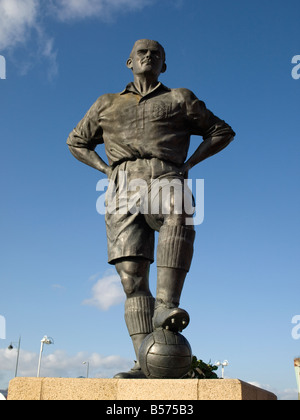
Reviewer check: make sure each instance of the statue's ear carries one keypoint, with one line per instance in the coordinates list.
(164, 68)
(129, 63)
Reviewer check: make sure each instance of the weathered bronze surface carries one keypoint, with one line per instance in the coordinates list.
(146, 132)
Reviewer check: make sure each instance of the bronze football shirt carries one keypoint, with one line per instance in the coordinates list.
(157, 125)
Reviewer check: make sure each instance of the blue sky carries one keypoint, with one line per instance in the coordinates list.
(241, 292)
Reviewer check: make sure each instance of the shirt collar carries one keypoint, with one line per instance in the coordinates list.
(131, 88)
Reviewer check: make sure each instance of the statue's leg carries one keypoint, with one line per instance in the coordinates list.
(139, 305)
(174, 257)
(172, 197)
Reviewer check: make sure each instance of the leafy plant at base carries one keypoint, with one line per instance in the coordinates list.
(202, 370)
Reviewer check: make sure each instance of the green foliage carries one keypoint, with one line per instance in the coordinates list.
(201, 370)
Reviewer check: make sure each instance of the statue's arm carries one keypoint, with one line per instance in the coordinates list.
(215, 132)
(84, 139)
(90, 158)
(208, 148)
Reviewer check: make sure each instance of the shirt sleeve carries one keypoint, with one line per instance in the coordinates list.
(203, 122)
(88, 133)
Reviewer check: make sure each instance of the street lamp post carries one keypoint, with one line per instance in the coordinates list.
(11, 347)
(225, 363)
(45, 340)
(297, 370)
(87, 368)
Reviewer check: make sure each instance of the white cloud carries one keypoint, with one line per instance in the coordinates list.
(106, 292)
(22, 21)
(17, 18)
(47, 50)
(285, 394)
(57, 287)
(82, 9)
(60, 364)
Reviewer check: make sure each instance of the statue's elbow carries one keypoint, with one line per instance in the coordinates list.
(229, 139)
(74, 151)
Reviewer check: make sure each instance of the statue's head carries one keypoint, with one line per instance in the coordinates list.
(147, 56)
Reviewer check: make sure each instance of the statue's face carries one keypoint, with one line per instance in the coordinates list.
(147, 58)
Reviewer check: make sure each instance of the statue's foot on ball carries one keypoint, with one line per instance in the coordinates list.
(135, 373)
(173, 319)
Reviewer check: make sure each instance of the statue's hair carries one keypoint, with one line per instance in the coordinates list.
(149, 41)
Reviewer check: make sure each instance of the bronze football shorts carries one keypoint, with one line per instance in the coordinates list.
(140, 195)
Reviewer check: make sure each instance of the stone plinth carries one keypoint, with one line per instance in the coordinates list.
(129, 389)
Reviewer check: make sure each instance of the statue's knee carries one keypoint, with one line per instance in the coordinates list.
(128, 284)
(134, 276)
